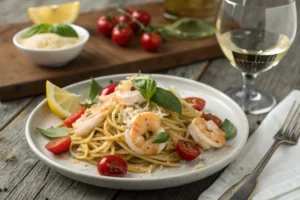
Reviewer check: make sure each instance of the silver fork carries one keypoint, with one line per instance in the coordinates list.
(289, 134)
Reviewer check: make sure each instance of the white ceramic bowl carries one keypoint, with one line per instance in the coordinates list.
(55, 57)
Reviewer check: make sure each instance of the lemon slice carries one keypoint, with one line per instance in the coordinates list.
(61, 13)
(61, 102)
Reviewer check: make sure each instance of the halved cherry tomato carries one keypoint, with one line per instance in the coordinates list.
(106, 24)
(109, 89)
(59, 145)
(122, 34)
(187, 150)
(112, 166)
(76, 115)
(196, 102)
(150, 41)
(212, 117)
(142, 16)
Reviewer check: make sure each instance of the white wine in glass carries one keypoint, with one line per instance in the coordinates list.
(254, 36)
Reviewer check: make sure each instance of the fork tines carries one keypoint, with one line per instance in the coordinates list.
(290, 129)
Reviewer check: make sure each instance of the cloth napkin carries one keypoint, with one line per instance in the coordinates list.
(280, 179)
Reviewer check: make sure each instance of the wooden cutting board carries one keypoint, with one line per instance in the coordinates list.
(19, 77)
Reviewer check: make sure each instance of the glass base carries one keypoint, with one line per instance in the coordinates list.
(255, 103)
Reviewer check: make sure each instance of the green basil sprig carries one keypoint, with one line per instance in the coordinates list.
(89, 103)
(63, 30)
(161, 137)
(229, 129)
(36, 29)
(95, 88)
(54, 132)
(147, 87)
(167, 100)
(94, 91)
(160, 96)
(59, 29)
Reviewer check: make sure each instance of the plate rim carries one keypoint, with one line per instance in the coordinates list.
(190, 175)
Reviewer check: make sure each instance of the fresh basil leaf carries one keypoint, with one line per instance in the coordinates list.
(229, 129)
(139, 73)
(95, 88)
(147, 87)
(161, 137)
(167, 100)
(63, 30)
(36, 29)
(54, 132)
(89, 103)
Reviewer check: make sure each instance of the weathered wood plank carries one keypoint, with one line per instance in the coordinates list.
(193, 71)
(8, 110)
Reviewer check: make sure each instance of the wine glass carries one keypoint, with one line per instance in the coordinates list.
(254, 36)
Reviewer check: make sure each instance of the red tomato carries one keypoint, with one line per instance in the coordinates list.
(142, 16)
(122, 34)
(109, 89)
(150, 41)
(71, 119)
(126, 19)
(112, 166)
(123, 18)
(187, 150)
(59, 145)
(209, 116)
(196, 102)
(106, 24)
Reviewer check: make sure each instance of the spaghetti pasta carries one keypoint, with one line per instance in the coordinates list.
(108, 139)
(126, 123)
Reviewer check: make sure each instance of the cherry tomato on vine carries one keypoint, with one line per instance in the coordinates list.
(106, 24)
(73, 117)
(126, 19)
(112, 166)
(196, 102)
(187, 150)
(142, 16)
(212, 117)
(150, 41)
(109, 89)
(122, 34)
(123, 18)
(59, 145)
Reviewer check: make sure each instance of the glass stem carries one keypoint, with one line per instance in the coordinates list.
(249, 86)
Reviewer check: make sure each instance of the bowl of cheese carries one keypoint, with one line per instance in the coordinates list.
(51, 45)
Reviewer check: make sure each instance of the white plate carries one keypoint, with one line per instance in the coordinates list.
(217, 103)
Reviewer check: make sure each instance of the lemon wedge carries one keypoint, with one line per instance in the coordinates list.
(60, 13)
(61, 102)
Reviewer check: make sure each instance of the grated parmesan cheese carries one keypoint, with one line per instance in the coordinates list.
(128, 113)
(49, 41)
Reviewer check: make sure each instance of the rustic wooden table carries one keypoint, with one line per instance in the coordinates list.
(24, 176)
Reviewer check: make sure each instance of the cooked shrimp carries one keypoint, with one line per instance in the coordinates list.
(127, 94)
(95, 115)
(207, 133)
(142, 124)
